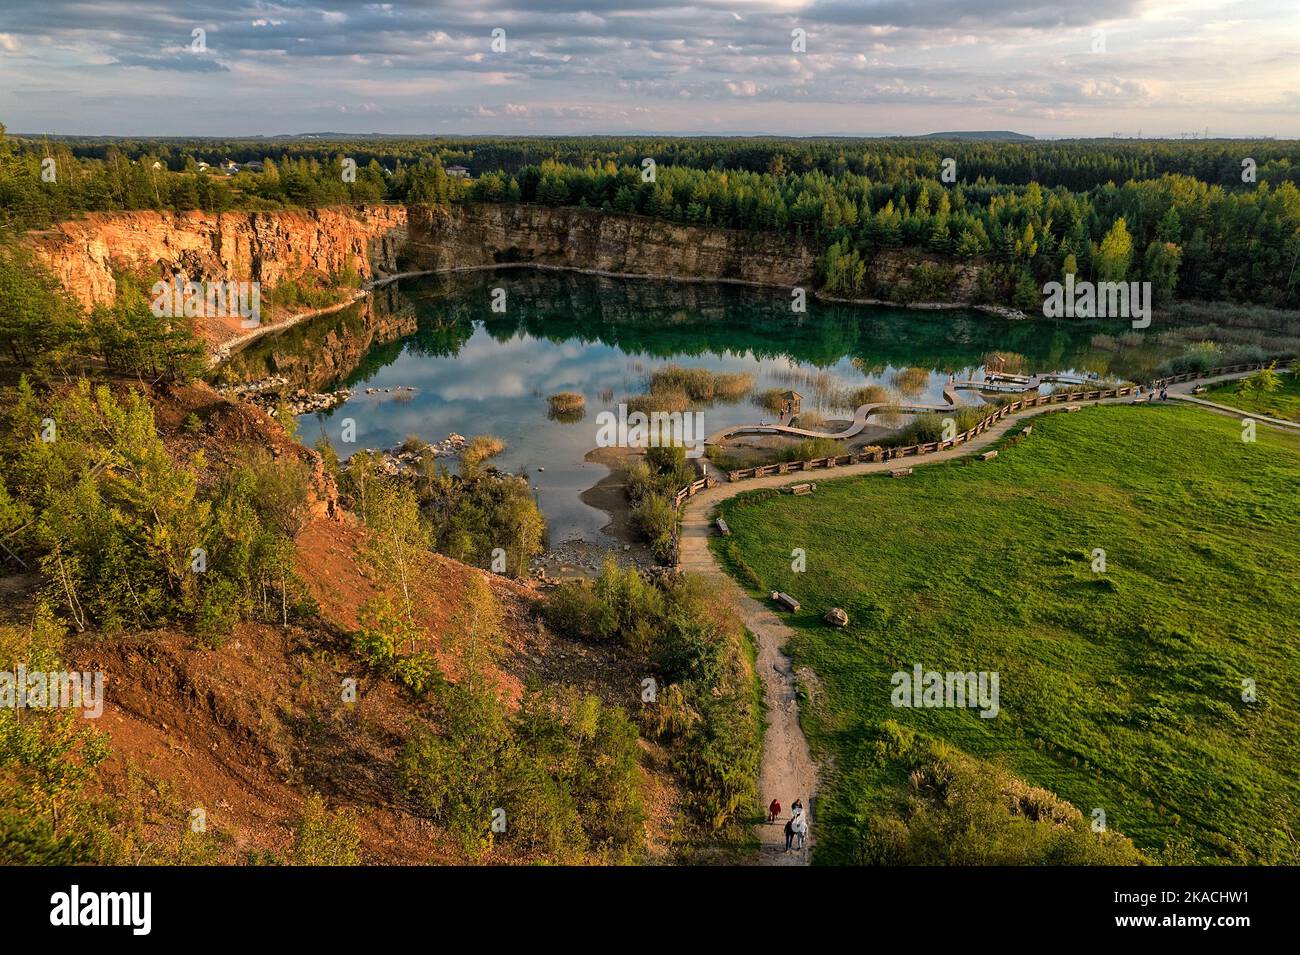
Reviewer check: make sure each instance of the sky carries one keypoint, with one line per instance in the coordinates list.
(866, 67)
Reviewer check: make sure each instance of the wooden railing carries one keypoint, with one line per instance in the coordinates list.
(683, 495)
(690, 490)
(1020, 404)
(930, 447)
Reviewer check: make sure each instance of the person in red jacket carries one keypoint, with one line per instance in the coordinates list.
(773, 810)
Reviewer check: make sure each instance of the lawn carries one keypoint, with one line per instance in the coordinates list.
(1119, 690)
(1283, 403)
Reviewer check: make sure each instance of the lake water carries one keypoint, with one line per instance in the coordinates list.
(477, 371)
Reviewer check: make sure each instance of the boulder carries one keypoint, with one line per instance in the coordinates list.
(836, 617)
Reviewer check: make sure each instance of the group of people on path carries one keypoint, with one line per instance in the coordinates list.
(1155, 394)
(795, 827)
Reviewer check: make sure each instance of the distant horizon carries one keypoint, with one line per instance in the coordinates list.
(1160, 69)
(634, 134)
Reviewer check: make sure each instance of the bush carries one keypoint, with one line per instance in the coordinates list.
(707, 710)
(810, 449)
(562, 773)
(387, 643)
(655, 521)
(323, 837)
(955, 810)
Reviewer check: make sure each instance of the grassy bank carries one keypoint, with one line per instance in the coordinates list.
(1120, 690)
(1283, 403)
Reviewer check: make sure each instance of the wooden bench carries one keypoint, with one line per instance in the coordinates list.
(803, 488)
(723, 529)
(785, 600)
(1027, 429)
(900, 472)
(988, 455)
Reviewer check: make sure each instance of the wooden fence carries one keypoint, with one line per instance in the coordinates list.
(930, 447)
(1020, 404)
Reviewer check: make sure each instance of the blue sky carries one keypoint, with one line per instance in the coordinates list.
(1087, 67)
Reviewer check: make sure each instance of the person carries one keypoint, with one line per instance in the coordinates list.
(796, 807)
(799, 825)
(789, 833)
(1164, 393)
(773, 811)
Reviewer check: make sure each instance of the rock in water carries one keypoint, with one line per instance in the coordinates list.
(836, 617)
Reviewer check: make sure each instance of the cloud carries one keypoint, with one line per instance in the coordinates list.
(181, 63)
(579, 65)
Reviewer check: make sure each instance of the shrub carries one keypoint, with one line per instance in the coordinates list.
(323, 837)
(380, 639)
(956, 810)
(655, 521)
(810, 449)
(708, 710)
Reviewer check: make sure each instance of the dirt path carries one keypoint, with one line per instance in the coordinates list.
(788, 770)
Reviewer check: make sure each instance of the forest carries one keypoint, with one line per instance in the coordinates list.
(1202, 220)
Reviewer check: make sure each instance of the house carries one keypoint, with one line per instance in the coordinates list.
(230, 167)
(791, 400)
(460, 172)
(253, 166)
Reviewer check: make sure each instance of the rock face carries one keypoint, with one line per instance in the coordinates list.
(381, 240)
(228, 246)
(893, 273)
(836, 617)
(478, 234)
(315, 353)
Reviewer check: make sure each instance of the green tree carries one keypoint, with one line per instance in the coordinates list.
(1115, 254)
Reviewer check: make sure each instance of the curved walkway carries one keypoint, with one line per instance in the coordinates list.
(859, 420)
(1183, 392)
(788, 770)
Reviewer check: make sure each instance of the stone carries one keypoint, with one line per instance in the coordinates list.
(836, 617)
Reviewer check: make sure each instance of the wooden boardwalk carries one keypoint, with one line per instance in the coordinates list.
(860, 419)
(788, 770)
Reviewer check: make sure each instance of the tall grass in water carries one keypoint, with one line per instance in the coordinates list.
(911, 381)
(701, 384)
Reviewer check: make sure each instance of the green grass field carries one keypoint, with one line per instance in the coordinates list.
(1283, 403)
(1119, 690)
